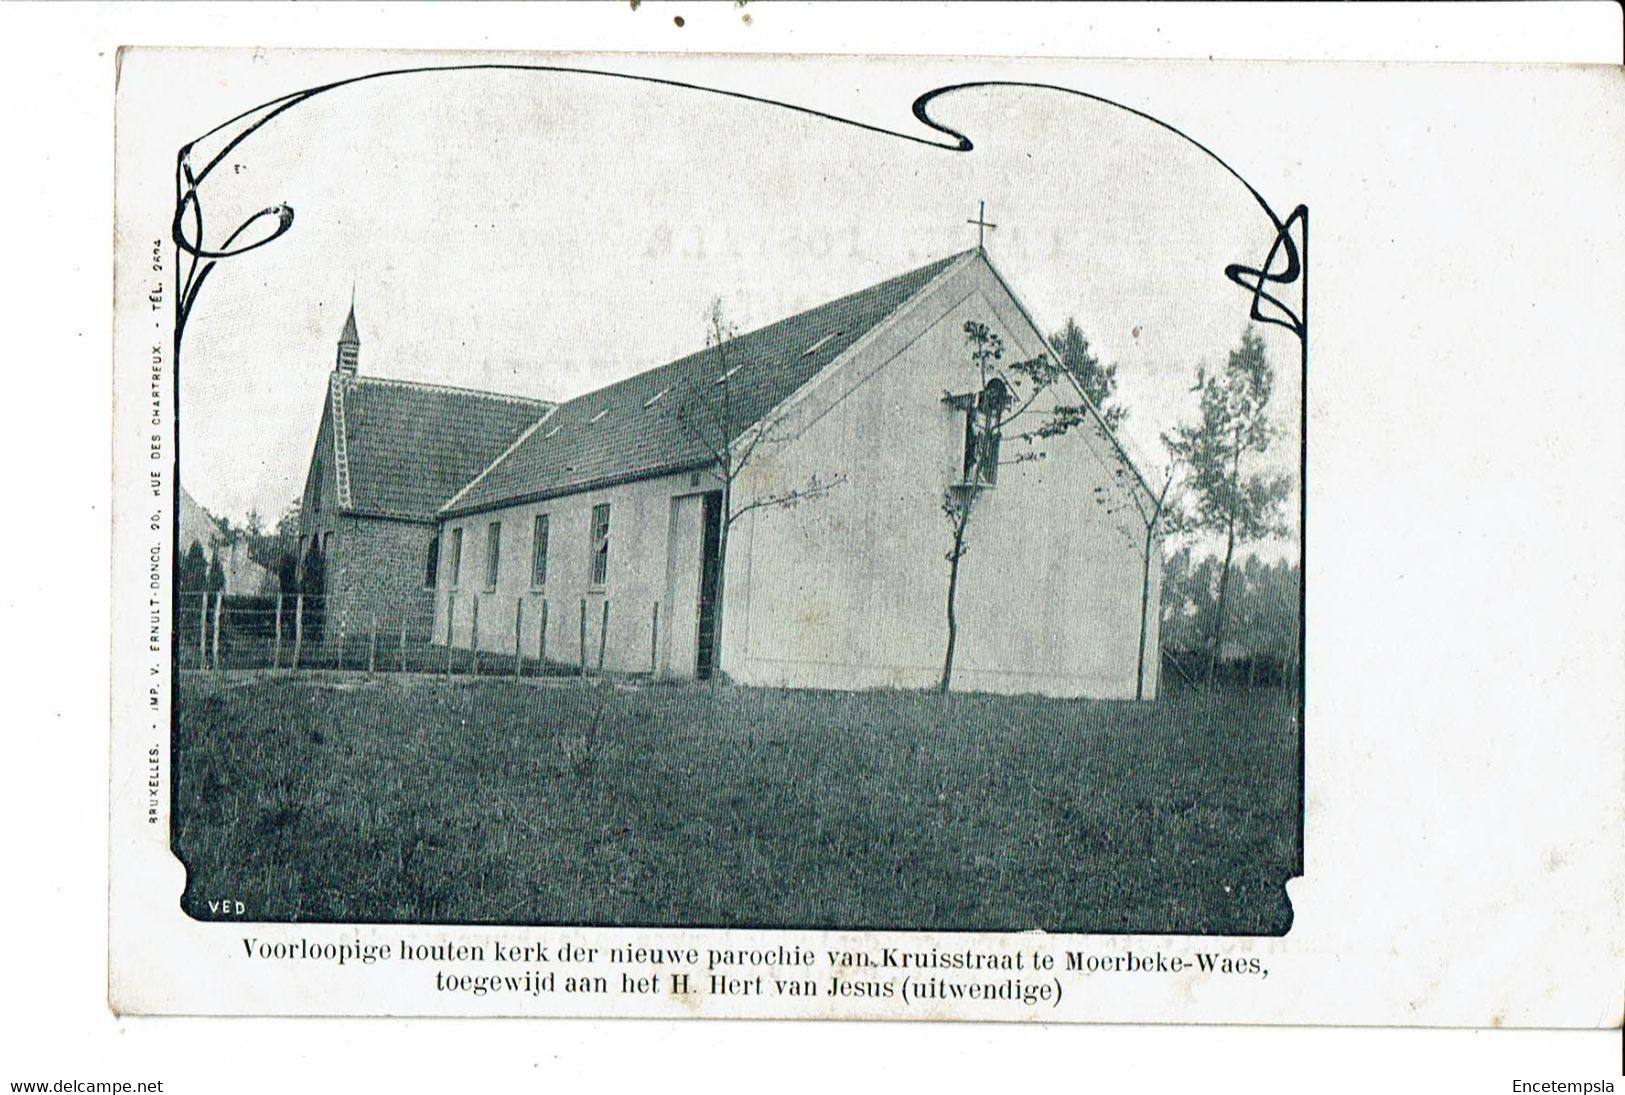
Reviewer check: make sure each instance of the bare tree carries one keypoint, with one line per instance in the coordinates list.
(1150, 510)
(710, 413)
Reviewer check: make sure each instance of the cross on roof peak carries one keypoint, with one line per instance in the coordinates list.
(982, 225)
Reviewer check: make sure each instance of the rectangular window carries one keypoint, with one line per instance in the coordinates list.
(600, 544)
(431, 573)
(538, 558)
(493, 555)
(987, 456)
(968, 470)
(456, 556)
(981, 463)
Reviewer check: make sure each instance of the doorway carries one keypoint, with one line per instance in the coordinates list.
(710, 551)
(688, 645)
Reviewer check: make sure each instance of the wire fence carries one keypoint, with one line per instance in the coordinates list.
(218, 631)
(1253, 669)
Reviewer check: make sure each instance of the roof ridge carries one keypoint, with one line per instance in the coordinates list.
(949, 266)
(776, 369)
(472, 483)
(946, 262)
(453, 388)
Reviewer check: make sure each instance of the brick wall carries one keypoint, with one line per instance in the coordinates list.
(377, 569)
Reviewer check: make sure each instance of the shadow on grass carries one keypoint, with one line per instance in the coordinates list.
(422, 800)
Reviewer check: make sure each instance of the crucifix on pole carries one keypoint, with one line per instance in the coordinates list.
(982, 224)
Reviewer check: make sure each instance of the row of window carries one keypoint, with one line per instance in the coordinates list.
(598, 543)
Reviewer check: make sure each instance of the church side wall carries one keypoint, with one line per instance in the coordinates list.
(319, 515)
(318, 504)
(640, 525)
(850, 590)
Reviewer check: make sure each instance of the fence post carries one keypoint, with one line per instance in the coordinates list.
(372, 648)
(203, 631)
(474, 636)
(276, 644)
(298, 626)
(451, 611)
(603, 634)
(583, 638)
(654, 643)
(541, 643)
(403, 642)
(219, 599)
(518, 621)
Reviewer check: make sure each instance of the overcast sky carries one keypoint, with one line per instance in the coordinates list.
(545, 234)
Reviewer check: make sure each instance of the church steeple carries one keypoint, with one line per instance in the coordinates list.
(349, 343)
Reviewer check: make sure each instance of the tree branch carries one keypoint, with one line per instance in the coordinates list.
(788, 499)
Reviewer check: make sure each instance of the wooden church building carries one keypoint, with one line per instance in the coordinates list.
(388, 455)
(771, 508)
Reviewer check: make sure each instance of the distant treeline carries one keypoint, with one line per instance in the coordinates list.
(1260, 645)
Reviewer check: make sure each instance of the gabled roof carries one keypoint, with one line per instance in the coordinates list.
(407, 447)
(633, 429)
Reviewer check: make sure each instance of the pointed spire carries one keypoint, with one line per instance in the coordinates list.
(350, 334)
(349, 341)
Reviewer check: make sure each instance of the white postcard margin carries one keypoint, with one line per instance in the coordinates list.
(1450, 880)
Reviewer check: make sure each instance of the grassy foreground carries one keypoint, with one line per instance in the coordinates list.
(422, 800)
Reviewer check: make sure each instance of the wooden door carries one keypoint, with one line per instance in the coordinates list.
(680, 616)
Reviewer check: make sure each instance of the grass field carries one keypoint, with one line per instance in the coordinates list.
(418, 799)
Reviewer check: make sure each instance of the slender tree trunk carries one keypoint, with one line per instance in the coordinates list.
(730, 472)
(724, 519)
(1218, 619)
(1224, 573)
(953, 590)
(1145, 603)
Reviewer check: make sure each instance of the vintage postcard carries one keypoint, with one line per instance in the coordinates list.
(775, 537)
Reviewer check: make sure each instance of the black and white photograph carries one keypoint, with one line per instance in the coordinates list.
(608, 501)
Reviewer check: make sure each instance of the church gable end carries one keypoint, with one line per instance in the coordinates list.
(400, 449)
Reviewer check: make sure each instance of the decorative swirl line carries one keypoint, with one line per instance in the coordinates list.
(188, 203)
(202, 259)
(1254, 279)
(1248, 278)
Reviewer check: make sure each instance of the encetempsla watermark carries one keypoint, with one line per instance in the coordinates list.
(1580, 1087)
